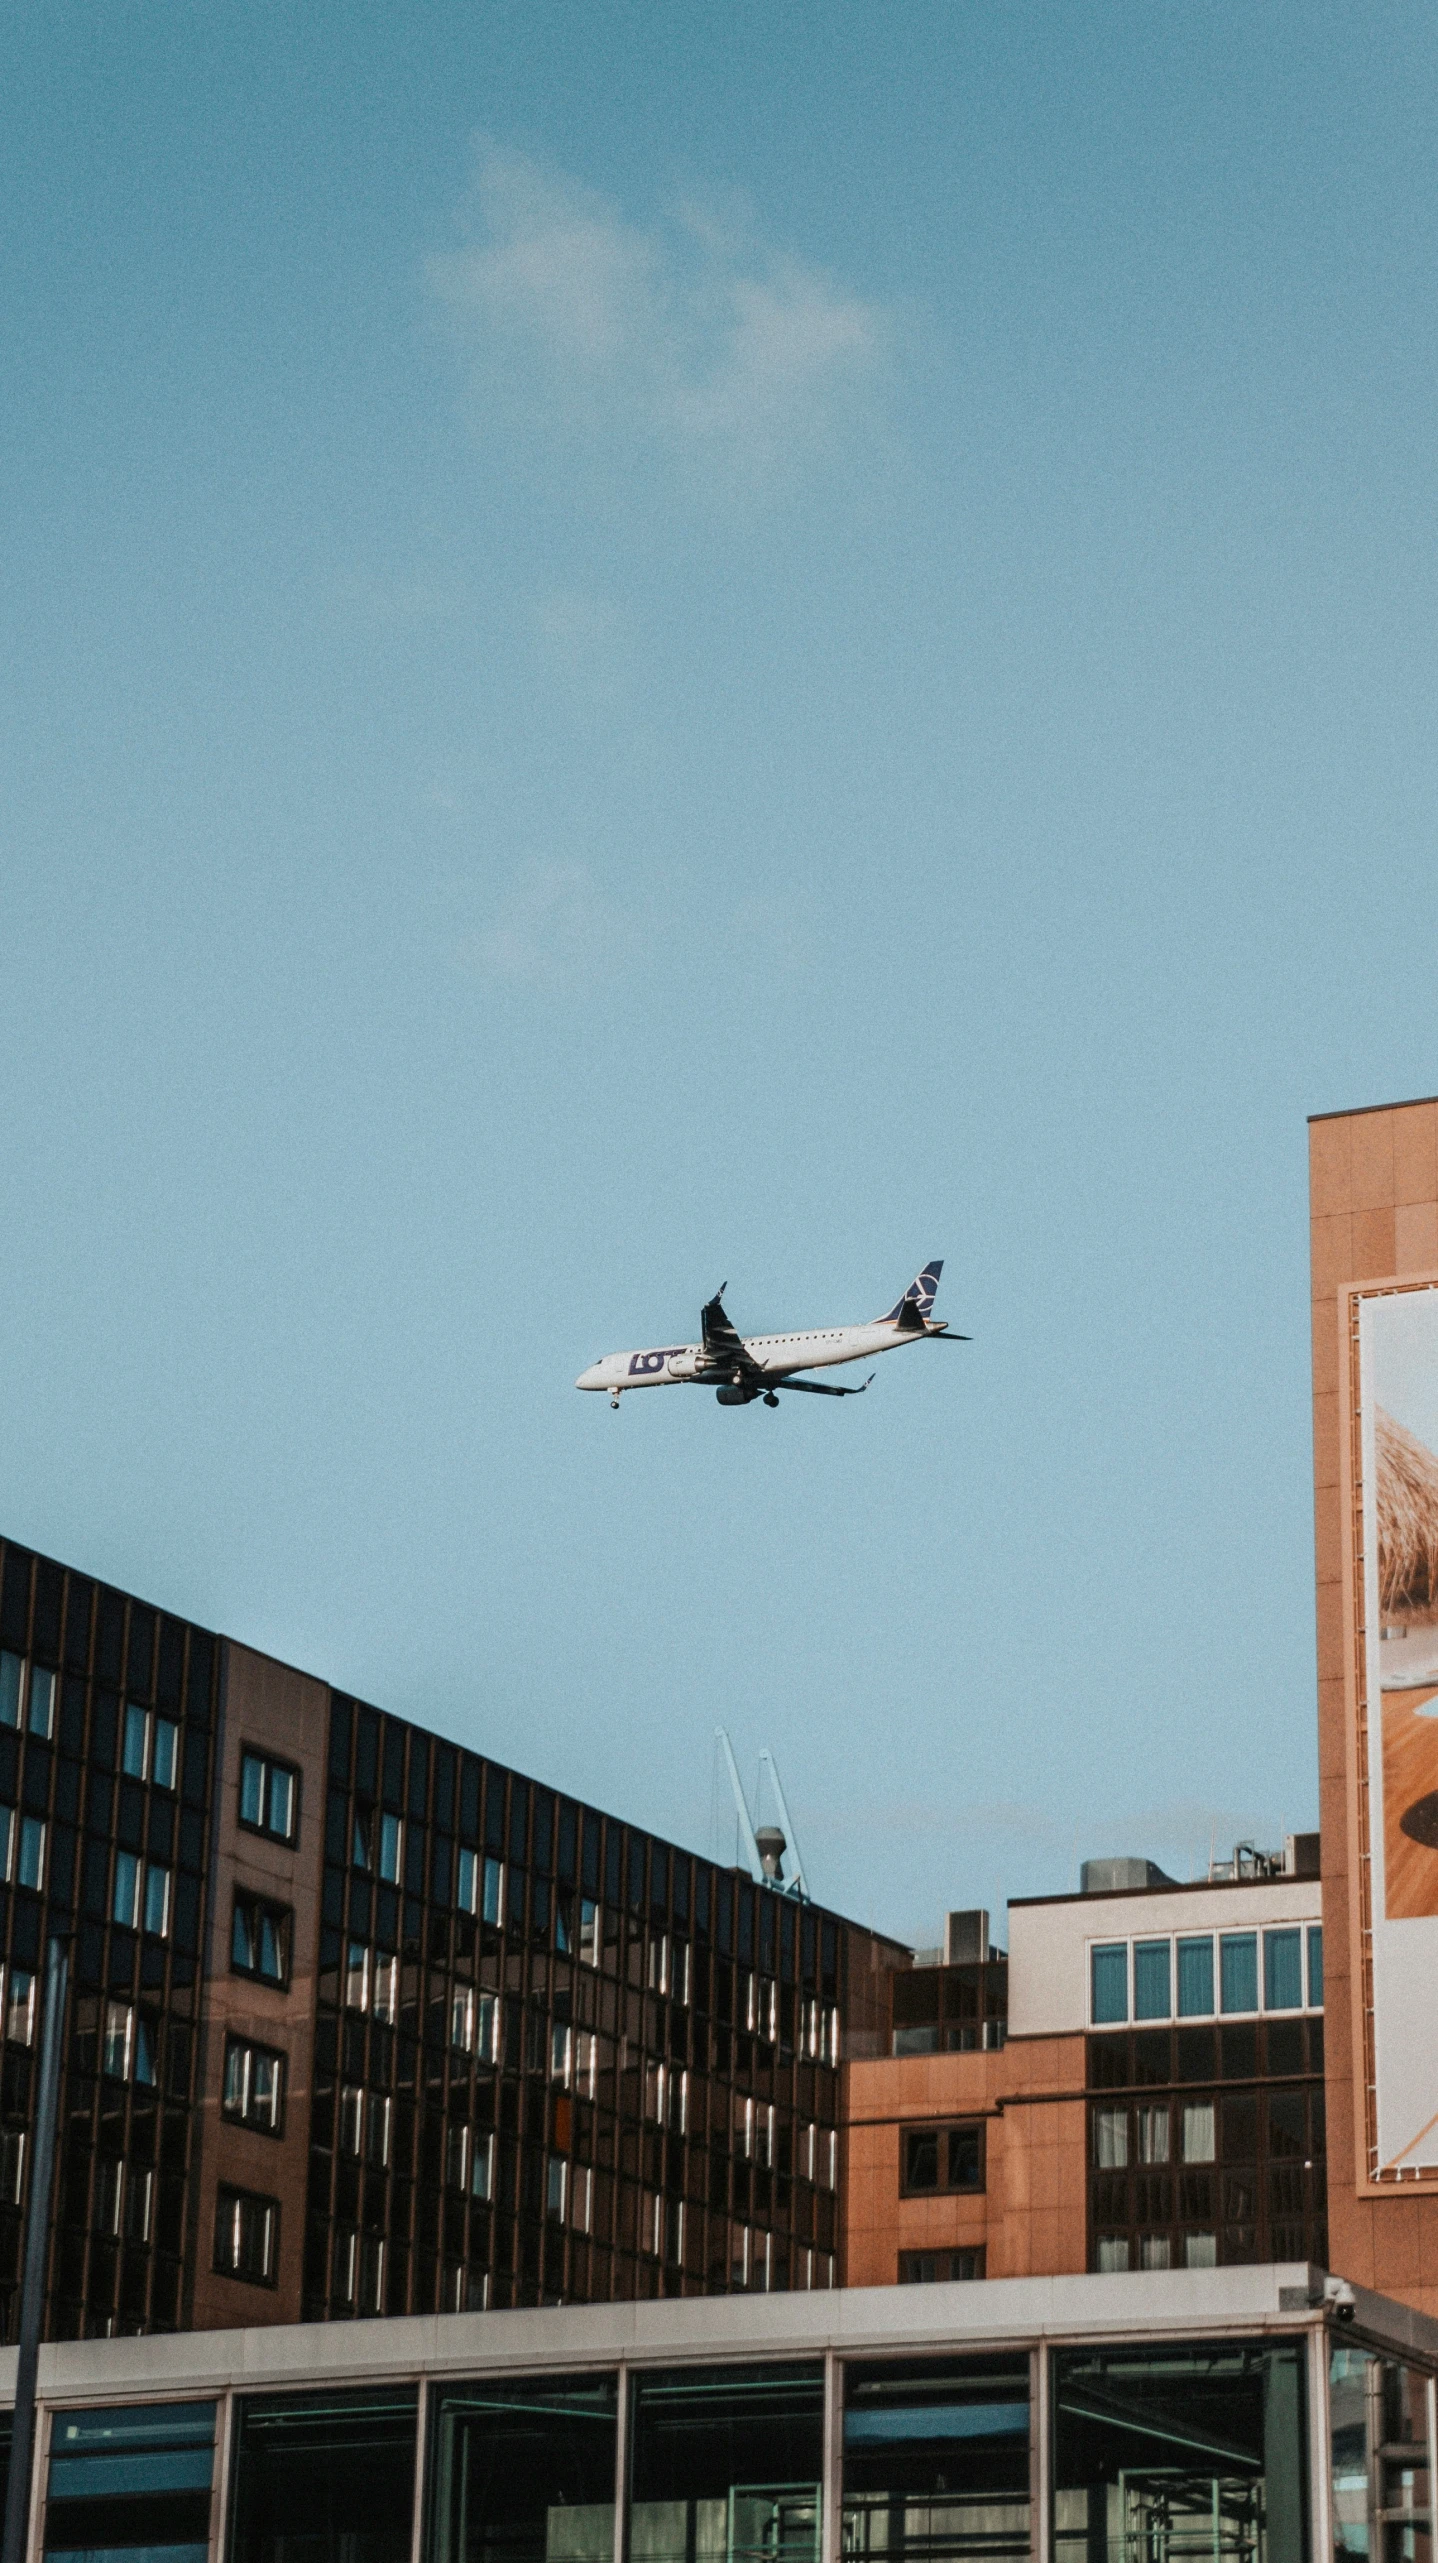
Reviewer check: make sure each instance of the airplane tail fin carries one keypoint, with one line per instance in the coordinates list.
(915, 1308)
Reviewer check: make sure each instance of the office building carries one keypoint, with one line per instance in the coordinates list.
(363, 2023)
(1137, 2085)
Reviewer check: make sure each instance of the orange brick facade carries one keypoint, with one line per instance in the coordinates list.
(1030, 2218)
(1374, 1211)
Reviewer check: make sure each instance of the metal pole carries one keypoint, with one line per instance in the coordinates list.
(37, 2254)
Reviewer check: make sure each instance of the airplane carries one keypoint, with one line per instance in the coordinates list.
(740, 1368)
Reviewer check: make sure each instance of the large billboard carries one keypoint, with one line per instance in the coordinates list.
(1393, 1348)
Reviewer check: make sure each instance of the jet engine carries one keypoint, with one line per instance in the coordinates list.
(736, 1396)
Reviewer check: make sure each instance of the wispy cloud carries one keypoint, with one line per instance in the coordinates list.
(553, 928)
(689, 332)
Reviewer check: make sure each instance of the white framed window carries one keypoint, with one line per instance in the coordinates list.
(466, 1880)
(139, 2203)
(461, 2018)
(254, 2085)
(561, 2052)
(391, 1835)
(119, 2037)
(493, 1911)
(246, 2231)
(487, 2028)
(659, 1962)
(157, 1901)
(386, 1989)
(269, 1795)
(40, 1709)
(164, 1753)
(589, 1932)
(357, 1977)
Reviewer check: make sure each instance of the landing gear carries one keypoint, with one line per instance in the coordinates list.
(769, 1397)
(614, 1399)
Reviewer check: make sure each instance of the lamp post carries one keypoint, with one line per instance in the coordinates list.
(37, 2253)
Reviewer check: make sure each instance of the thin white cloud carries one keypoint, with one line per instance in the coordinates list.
(689, 333)
(553, 928)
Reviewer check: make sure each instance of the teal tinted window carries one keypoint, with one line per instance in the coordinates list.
(131, 2476)
(727, 2461)
(1283, 1971)
(936, 2458)
(1110, 1983)
(1238, 1971)
(1152, 1980)
(524, 2470)
(1190, 2447)
(1315, 1966)
(11, 1668)
(324, 2478)
(1195, 1978)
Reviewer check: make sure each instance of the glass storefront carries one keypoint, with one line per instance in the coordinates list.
(324, 2478)
(523, 2470)
(1381, 2418)
(1188, 2450)
(936, 2459)
(726, 2464)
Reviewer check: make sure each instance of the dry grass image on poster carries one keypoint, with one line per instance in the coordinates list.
(1407, 1507)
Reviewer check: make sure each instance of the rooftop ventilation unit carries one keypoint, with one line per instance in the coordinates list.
(1121, 1877)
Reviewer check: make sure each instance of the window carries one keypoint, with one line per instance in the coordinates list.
(361, 1853)
(269, 1796)
(1198, 2132)
(1195, 1978)
(377, 2126)
(1200, 2251)
(119, 2040)
(139, 2203)
(943, 2158)
(1152, 1995)
(260, 1940)
(1154, 2252)
(7, 1840)
(493, 1893)
(12, 2165)
(481, 2166)
(747, 2438)
(556, 2187)
(456, 2158)
(1223, 2420)
(31, 1869)
(163, 1754)
(1110, 2139)
(461, 2019)
(12, 1674)
(357, 1976)
(1315, 1966)
(390, 1832)
(561, 2051)
(133, 2479)
(466, 1880)
(20, 2008)
(1153, 2134)
(1283, 1971)
(351, 2120)
(148, 1747)
(386, 1989)
(922, 2268)
(254, 2085)
(1110, 1982)
(246, 2236)
(588, 1932)
(1238, 1971)
(125, 1902)
(1113, 2251)
(323, 2474)
(503, 2454)
(40, 1718)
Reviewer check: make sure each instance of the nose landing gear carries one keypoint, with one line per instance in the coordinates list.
(769, 1397)
(614, 1399)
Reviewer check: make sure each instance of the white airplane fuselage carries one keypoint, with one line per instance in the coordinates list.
(773, 1356)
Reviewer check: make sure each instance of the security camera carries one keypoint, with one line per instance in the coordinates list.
(1338, 2296)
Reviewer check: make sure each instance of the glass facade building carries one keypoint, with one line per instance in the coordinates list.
(361, 2023)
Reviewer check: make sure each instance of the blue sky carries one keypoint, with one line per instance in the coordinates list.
(649, 645)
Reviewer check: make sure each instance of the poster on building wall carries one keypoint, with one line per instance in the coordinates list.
(1398, 1730)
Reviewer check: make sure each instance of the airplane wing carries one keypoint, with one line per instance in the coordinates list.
(723, 1345)
(821, 1387)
